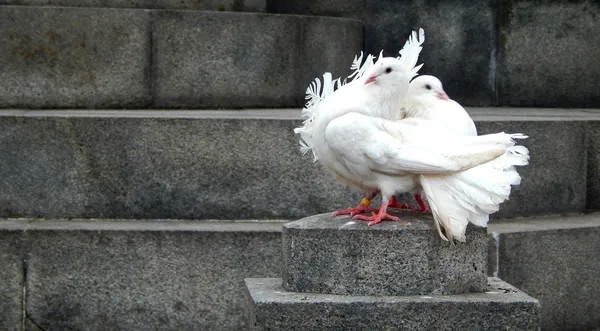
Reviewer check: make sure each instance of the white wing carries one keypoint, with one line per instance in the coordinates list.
(366, 144)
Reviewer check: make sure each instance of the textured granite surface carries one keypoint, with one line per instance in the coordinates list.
(12, 275)
(213, 60)
(92, 167)
(220, 5)
(548, 53)
(555, 180)
(460, 42)
(502, 307)
(336, 8)
(559, 266)
(228, 165)
(593, 166)
(166, 58)
(55, 57)
(155, 275)
(338, 255)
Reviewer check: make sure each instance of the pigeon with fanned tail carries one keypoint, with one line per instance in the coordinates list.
(315, 95)
(359, 147)
(467, 196)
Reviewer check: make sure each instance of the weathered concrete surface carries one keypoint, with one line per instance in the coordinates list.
(11, 281)
(74, 57)
(123, 275)
(503, 307)
(563, 285)
(460, 42)
(549, 53)
(593, 169)
(220, 5)
(230, 165)
(208, 59)
(555, 260)
(554, 180)
(338, 255)
(335, 8)
(164, 167)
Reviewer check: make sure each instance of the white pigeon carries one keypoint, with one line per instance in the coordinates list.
(468, 196)
(359, 147)
(427, 100)
(408, 58)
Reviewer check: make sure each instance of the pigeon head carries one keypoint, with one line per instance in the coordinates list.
(427, 88)
(388, 71)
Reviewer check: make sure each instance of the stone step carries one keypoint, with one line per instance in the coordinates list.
(140, 58)
(512, 53)
(192, 271)
(218, 5)
(556, 260)
(128, 275)
(501, 307)
(337, 255)
(242, 164)
(336, 8)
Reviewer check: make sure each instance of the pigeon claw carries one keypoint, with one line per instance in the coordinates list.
(354, 210)
(376, 218)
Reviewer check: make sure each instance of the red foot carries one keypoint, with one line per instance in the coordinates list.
(422, 206)
(394, 204)
(376, 218)
(354, 210)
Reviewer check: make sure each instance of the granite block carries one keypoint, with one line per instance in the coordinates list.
(11, 281)
(227, 165)
(460, 42)
(557, 265)
(502, 307)
(160, 166)
(159, 275)
(549, 53)
(214, 60)
(555, 180)
(338, 255)
(593, 169)
(54, 57)
(220, 5)
(492, 263)
(334, 8)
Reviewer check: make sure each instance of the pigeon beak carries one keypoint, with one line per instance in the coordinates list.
(442, 95)
(371, 79)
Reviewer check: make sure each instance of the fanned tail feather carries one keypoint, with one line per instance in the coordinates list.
(409, 54)
(474, 194)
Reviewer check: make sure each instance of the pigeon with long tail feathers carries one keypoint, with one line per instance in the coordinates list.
(314, 94)
(359, 147)
(471, 195)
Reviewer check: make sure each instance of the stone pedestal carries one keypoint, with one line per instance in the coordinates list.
(338, 255)
(340, 274)
(501, 307)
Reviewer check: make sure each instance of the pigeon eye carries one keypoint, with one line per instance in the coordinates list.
(388, 70)
(428, 87)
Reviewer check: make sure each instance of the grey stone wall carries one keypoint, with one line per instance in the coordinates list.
(593, 170)
(232, 166)
(217, 5)
(168, 275)
(499, 53)
(119, 275)
(555, 260)
(88, 57)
